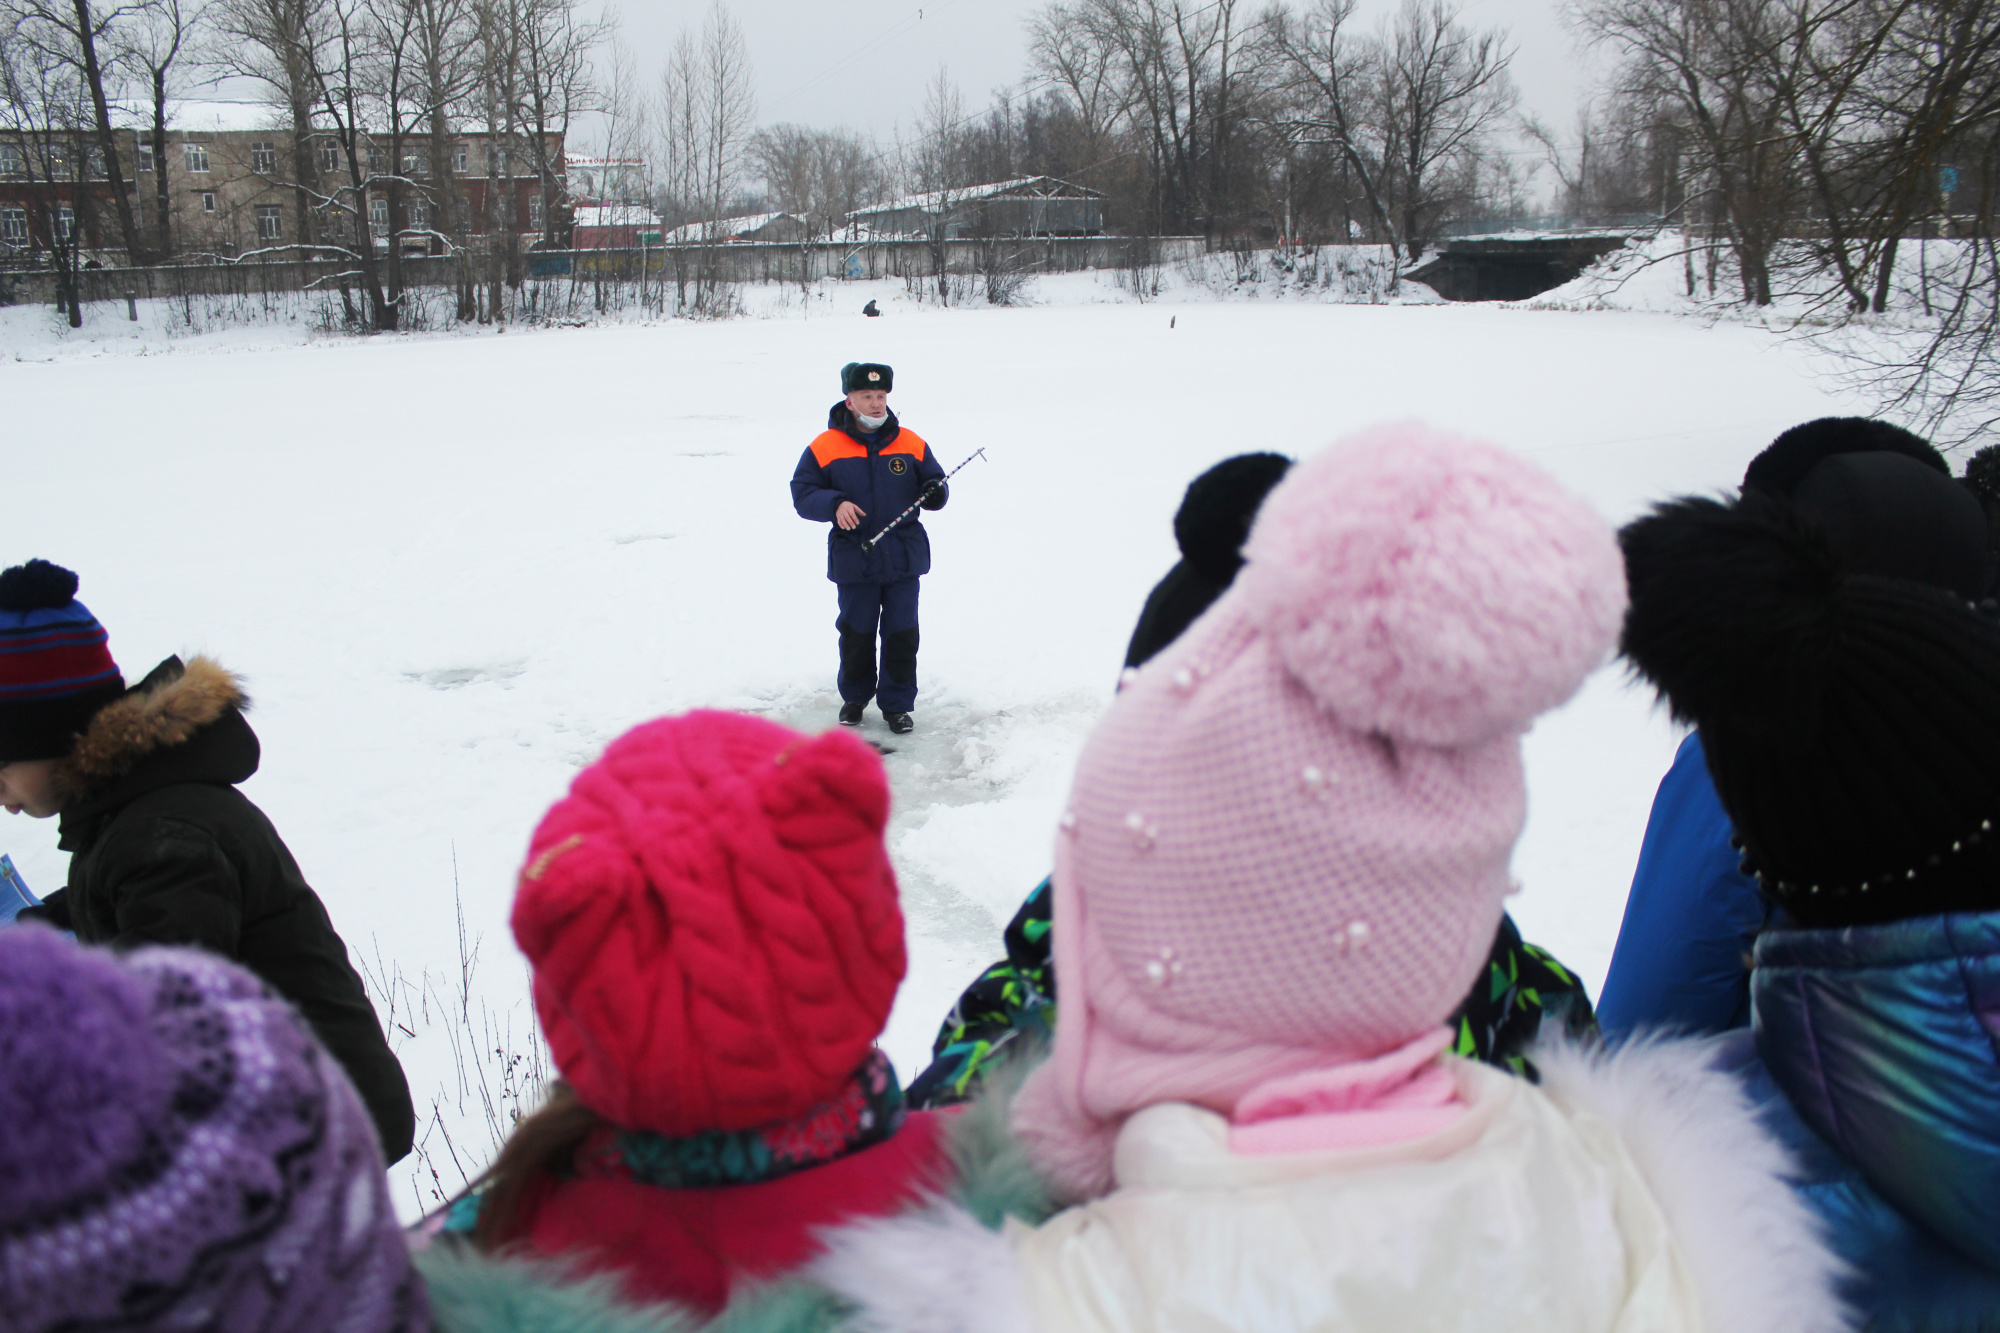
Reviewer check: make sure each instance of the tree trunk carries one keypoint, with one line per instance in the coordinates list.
(163, 244)
(107, 143)
(305, 172)
(1885, 274)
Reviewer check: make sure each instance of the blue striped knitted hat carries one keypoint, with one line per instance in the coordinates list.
(55, 663)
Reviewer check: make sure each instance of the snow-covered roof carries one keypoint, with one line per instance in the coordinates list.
(617, 215)
(1046, 187)
(721, 228)
(188, 115)
(193, 115)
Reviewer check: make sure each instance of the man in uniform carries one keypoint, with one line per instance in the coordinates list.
(858, 475)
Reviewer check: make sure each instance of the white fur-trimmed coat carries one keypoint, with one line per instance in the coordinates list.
(1628, 1193)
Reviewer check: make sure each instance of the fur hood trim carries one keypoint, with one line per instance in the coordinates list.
(1753, 1248)
(149, 718)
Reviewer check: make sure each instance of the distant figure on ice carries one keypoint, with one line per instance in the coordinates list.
(870, 310)
(861, 472)
(163, 848)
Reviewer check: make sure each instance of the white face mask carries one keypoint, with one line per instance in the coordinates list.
(873, 423)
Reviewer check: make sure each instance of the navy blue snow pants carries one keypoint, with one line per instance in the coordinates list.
(891, 608)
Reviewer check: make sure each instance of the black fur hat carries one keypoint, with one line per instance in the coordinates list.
(1851, 721)
(1215, 515)
(856, 376)
(1786, 461)
(1211, 525)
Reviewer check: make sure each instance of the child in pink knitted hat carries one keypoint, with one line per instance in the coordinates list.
(1283, 861)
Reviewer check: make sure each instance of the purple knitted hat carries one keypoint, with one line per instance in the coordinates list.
(178, 1152)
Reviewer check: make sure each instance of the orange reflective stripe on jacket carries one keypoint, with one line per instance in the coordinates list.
(833, 444)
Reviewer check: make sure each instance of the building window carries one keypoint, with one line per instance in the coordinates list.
(329, 158)
(270, 222)
(11, 162)
(93, 164)
(145, 157)
(496, 161)
(378, 216)
(14, 226)
(460, 157)
(535, 211)
(337, 222)
(420, 213)
(195, 155)
(376, 160)
(416, 161)
(208, 203)
(264, 158)
(57, 159)
(65, 222)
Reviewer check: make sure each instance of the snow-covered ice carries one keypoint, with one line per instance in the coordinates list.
(452, 568)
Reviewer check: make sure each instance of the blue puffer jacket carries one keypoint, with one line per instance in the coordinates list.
(884, 472)
(1875, 1054)
(1683, 954)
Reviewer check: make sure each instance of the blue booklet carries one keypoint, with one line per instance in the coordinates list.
(14, 893)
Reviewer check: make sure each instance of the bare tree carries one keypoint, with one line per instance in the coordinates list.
(706, 116)
(46, 120)
(152, 46)
(1713, 59)
(286, 45)
(73, 33)
(1410, 110)
(818, 175)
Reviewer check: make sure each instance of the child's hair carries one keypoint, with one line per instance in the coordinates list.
(542, 1145)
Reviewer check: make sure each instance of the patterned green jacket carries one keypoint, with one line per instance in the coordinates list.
(1520, 987)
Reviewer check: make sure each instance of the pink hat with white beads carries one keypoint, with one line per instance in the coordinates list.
(1288, 842)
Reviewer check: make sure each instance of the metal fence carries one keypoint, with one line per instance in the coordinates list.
(777, 261)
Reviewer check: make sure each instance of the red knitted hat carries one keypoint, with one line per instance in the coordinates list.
(713, 922)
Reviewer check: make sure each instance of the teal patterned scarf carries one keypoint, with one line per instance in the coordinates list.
(866, 1110)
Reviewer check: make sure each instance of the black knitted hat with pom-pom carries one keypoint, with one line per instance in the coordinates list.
(1851, 721)
(1210, 527)
(1215, 515)
(55, 663)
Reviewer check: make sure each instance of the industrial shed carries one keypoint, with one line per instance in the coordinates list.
(1027, 206)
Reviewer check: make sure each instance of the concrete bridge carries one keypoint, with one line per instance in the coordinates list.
(1512, 266)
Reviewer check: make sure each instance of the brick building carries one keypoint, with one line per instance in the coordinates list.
(232, 188)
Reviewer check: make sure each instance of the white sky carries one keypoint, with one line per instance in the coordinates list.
(865, 63)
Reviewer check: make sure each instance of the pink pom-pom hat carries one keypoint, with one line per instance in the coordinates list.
(1288, 842)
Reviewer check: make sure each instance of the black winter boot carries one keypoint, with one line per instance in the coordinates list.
(850, 714)
(900, 723)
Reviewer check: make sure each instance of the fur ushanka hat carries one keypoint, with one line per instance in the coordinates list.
(1288, 841)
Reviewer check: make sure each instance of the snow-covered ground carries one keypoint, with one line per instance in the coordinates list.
(453, 568)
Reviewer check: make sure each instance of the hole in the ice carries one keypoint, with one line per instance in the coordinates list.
(452, 678)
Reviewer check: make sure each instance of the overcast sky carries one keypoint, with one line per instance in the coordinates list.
(864, 63)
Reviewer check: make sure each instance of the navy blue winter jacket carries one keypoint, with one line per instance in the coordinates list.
(884, 473)
(1690, 919)
(1874, 1061)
